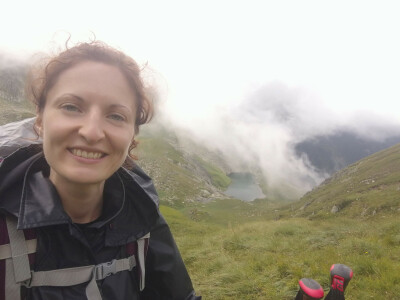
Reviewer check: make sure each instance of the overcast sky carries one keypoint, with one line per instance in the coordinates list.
(225, 65)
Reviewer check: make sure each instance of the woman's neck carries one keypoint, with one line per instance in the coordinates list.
(82, 202)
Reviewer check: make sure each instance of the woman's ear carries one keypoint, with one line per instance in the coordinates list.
(39, 125)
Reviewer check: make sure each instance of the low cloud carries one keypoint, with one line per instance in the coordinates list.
(259, 134)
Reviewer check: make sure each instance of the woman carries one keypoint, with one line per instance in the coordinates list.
(73, 195)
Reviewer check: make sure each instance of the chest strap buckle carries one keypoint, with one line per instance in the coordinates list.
(105, 269)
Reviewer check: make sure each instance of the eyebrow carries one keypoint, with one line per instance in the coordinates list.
(120, 106)
(69, 95)
(80, 99)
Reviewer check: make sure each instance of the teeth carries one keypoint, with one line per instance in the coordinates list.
(85, 154)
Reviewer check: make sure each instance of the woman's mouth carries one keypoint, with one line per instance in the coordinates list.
(87, 154)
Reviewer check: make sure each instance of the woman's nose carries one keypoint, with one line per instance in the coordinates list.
(92, 128)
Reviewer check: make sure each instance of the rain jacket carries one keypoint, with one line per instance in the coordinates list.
(130, 211)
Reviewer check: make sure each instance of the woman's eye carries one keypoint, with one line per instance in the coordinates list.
(70, 107)
(117, 117)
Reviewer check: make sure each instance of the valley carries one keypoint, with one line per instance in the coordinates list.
(260, 249)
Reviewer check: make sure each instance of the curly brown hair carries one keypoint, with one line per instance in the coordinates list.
(42, 78)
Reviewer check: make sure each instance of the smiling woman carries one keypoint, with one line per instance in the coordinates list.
(87, 126)
(90, 216)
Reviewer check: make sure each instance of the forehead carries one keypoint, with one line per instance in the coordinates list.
(90, 79)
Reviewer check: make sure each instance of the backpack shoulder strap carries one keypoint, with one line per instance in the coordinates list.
(14, 260)
(93, 273)
(19, 252)
(139, 249)
(15, 268)
(143, 244)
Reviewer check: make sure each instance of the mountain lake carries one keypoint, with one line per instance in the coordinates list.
(244, 187)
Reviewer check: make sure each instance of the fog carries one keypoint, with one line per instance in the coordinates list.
(248, 78)
(260, 132)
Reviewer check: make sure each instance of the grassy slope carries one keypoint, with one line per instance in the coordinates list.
(260, 251)
(368, 187)
(162, 162)
(264, 259)
(14, 111)
(218, 177)
(180, 178)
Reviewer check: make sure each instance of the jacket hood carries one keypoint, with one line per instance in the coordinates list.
(130, 206)
(16, 135)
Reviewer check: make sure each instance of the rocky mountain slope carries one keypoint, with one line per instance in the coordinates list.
(14, 110)
(369, 187)
(180, 176)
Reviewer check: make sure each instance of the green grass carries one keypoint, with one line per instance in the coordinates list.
(13, 111)
(218, 178)
(168, 169)
(368, 187)
(264, 259)
(260, 250)
(181, 178)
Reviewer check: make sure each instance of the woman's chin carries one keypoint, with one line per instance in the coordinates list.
(79, 177)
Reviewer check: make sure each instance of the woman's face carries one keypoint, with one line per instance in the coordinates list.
(87, 123)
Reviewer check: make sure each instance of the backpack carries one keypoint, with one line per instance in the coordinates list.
(17, 255)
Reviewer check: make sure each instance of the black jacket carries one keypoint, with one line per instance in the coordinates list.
(130, 211)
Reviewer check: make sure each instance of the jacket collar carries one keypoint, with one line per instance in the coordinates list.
(40, 204)
(130, 201)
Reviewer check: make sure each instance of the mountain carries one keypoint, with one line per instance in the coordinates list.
(330, 153)
(368, 187)
(180, 175)
(15, 110)
(12, 77)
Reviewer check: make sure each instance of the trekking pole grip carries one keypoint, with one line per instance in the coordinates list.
(340, 276)
(309, 290)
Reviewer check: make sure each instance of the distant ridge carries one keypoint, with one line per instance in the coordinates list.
(330, 153)
(369, 187)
